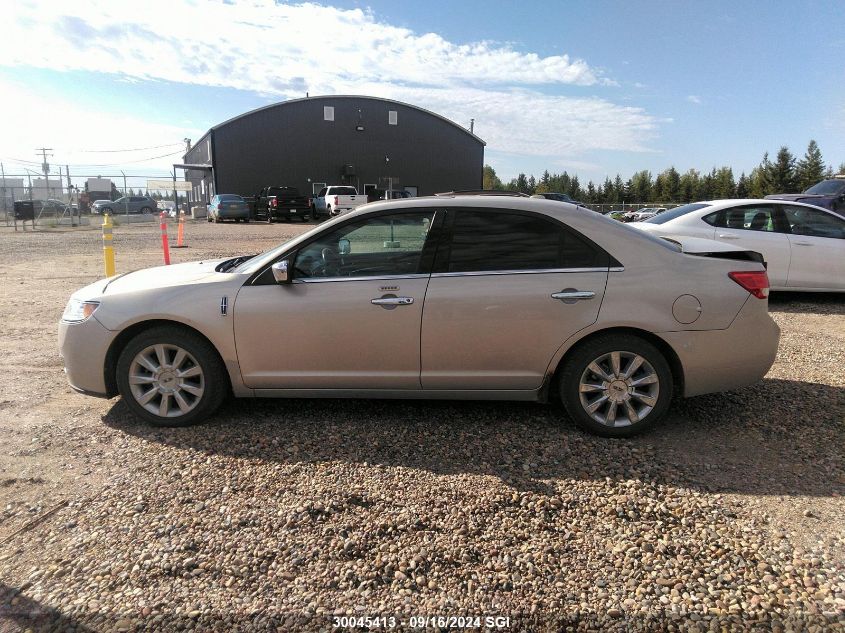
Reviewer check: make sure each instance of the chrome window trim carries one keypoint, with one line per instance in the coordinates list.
(531, 271)
(321, 280)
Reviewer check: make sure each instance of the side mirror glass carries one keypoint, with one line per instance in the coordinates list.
(280, 272)
(344, 246)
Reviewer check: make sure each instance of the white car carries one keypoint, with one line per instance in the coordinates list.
(648, 213)
(803, 245)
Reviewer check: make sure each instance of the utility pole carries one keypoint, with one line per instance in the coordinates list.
(3, 191)
(125, 194)
(45, 166)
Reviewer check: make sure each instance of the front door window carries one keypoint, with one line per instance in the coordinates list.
(373, 247)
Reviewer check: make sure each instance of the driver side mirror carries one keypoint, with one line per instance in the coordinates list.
(280, 272)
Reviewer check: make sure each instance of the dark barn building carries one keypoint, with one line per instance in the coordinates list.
(309, 143)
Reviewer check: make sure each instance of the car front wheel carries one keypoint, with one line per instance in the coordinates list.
(171, 377)
(616, 385)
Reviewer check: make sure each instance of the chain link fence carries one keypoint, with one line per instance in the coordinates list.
(65, 201)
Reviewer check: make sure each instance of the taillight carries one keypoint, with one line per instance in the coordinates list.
(335, 201)
(273, 202)
(754, 281)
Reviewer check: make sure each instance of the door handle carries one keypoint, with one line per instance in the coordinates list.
(392, 301)
(728, 236)
(802, 243)
(571, 296)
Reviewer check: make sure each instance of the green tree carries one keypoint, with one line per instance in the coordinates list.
(640, 187)
(841, 169)
(810, 169)
(782, 172)
(689, 186)
(490, 180)
(522, 183)
(667, 186)
(723, 184)
(742, 186)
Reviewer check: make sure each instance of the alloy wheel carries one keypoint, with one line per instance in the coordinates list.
(619, 389)
(166, 380)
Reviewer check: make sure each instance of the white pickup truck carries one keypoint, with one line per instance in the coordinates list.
(335, 200)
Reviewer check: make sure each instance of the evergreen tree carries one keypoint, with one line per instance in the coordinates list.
(782, 172)
(591, 193)
(742, 186)
(667, 186)
(841, 168)
(532, 185)
(522, 183)
(689, 186)
(640, 186)
(723, 184)
(810, 169)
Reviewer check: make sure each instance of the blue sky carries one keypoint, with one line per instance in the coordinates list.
(594, 88)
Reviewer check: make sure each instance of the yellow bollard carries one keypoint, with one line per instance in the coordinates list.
(108, 249)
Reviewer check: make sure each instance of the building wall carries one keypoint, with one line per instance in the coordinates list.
(292, 144)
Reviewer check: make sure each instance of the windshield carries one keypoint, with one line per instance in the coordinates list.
(676, 212)
(828, 187)
(230, 197)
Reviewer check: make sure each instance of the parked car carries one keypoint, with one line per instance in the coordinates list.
(387, 194)
(828, 194)
(648, 212)
(97, 206)
(280, 203)
(803, 245)
(530, 300)
(337, 199)
(227, 206)
(560, 197)
(126, 204)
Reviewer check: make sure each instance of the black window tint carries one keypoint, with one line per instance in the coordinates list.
(715, 219)
(676, 212)
(804, 221)
(487, 241)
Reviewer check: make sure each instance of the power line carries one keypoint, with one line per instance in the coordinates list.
(134, 149)
(84, 165)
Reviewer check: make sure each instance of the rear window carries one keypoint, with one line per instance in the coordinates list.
(827, 187)
(229, 197)
(676, 212)
(343, 191)
(287, 192)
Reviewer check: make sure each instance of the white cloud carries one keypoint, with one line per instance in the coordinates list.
(694, 99)
(29, 121)
(284, 51)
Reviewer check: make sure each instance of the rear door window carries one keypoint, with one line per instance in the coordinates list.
(812, 223)
(763, 218)
(508, 241)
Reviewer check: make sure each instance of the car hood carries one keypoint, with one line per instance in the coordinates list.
(164, 277)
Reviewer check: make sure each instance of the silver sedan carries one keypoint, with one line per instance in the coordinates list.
(459, 296)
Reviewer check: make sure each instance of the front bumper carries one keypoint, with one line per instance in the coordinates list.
(721, 360)
(83, 347)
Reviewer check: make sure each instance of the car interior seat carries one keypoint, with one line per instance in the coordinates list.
(760, 221)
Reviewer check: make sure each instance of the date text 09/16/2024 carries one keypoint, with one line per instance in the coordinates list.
(422, 622)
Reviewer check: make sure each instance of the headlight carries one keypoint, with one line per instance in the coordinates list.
(78, 311)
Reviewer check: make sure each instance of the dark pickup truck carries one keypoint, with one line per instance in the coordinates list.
(280, 203)
(827, 194)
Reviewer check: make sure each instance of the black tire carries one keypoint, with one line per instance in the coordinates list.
(576, 364)
(215, 379)
(269, 218)
(146, 210)
(246, 220)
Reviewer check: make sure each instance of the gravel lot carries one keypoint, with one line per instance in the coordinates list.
(278, 515)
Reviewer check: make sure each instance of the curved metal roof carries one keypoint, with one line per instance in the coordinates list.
(401, 103)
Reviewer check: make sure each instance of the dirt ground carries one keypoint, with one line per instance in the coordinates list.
(771, 456)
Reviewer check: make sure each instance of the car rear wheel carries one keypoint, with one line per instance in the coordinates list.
(616, 385)
(171, 377)
(146, 210)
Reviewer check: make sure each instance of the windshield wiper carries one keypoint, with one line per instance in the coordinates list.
(229, 264)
